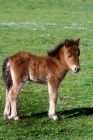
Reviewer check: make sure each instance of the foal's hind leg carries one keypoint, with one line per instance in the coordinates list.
(13, 93)
(7, 106)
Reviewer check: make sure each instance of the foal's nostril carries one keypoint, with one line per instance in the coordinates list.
(77, 69)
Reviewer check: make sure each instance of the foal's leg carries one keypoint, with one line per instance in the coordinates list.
(13, 97)
(7, 106)
(52, 101)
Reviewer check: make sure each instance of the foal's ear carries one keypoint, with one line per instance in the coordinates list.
(66, 42)
(77, 41)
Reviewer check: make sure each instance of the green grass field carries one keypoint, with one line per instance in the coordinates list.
(37, 26)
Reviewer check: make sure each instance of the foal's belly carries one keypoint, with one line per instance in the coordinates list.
(38, 79)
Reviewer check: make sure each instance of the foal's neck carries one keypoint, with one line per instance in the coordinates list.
(60, 57)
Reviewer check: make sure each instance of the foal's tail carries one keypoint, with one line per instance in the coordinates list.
(6, 74)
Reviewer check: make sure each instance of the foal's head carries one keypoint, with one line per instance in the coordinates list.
(71, 54)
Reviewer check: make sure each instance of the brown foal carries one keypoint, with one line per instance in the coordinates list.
(49, 69)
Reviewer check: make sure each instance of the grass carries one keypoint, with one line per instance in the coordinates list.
(37, 26)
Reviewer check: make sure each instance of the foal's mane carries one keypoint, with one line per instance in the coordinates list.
(55, 51)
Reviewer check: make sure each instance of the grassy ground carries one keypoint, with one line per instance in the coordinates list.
(37, 26)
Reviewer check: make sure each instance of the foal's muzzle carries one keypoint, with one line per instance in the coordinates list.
(76, 69)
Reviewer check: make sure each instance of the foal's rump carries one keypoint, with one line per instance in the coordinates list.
(15, 68)
(24, 66)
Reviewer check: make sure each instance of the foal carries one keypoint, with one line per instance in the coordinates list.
(49, 69)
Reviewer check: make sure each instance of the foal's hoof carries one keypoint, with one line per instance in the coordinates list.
(54, 117)
(16, 118)
(11, 118)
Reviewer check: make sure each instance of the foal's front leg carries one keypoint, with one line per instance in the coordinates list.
(52, 101)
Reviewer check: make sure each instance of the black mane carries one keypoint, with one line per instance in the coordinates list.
(55, 51)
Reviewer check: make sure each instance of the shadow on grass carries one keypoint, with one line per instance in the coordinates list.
(66, 113)
(76, 112)
(37, 115)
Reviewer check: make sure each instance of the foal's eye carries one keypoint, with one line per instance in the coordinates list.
(76, 52)
(69, 55)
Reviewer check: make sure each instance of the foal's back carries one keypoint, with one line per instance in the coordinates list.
(27, 66)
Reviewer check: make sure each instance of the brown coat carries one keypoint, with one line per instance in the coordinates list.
(49, 69)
